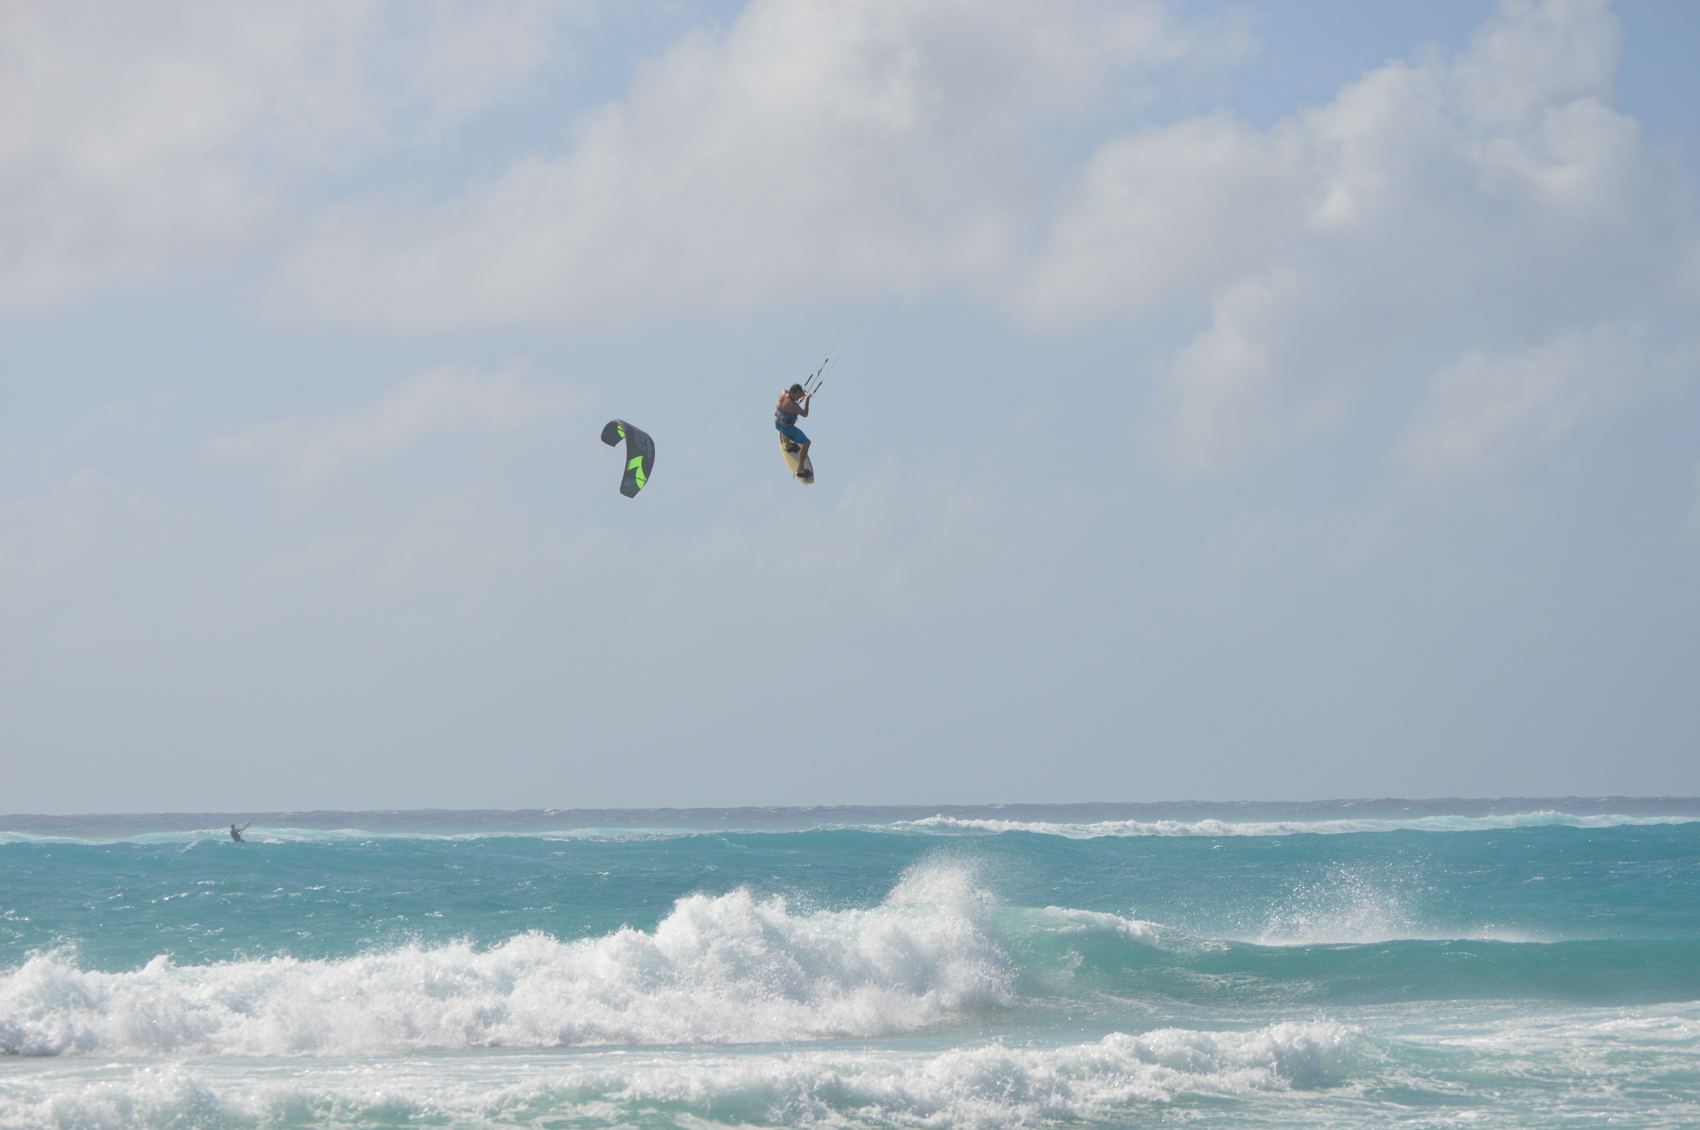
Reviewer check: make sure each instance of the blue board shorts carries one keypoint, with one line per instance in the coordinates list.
(791, 432)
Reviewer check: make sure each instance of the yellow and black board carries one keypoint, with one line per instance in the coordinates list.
(803, 468)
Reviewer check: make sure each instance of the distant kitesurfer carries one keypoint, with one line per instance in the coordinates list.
(793, 402)
(236, 833)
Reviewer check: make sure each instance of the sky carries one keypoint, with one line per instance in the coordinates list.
(1229, 401)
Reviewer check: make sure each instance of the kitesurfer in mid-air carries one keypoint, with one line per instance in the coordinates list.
(793, 402)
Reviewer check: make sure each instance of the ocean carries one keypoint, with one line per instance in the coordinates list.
(1343, 964)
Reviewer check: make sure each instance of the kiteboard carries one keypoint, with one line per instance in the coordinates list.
(801, 465)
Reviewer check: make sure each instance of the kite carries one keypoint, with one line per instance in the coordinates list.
(640, 454)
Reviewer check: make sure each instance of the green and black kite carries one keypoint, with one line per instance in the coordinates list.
(640, 454)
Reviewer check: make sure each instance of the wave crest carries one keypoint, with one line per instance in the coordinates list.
(728, 968)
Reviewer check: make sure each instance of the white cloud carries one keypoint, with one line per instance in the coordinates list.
(429, 406)
(1163, 216)
(1241, 391)
(1490, 411)
(1538, 55)
(135, 136)
(829, 150)
(1432, 210)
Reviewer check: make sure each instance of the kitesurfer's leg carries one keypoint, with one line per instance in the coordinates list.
(795, 437)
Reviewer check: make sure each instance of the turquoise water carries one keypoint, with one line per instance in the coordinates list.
(1513, 963)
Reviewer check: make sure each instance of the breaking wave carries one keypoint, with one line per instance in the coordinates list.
(730, 968)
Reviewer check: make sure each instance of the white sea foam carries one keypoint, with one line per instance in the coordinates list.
(1214, 828)
(988, 1085)
(718, 969)
(1632, 1064)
